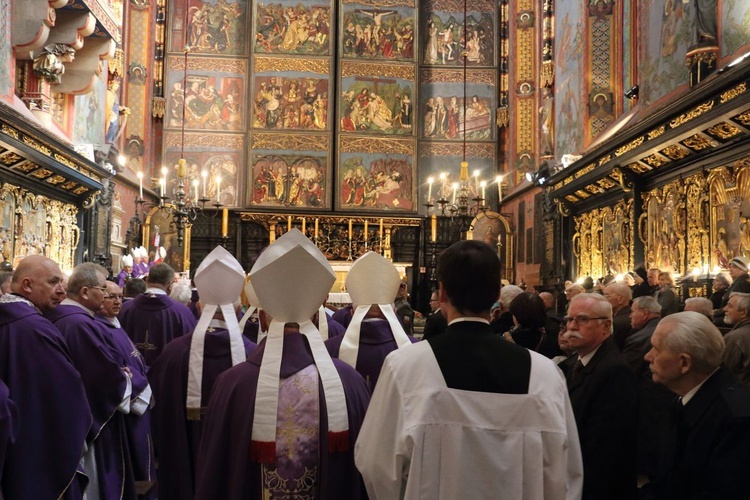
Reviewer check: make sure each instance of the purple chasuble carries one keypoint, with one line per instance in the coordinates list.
(335, 329)
(176, 437)
(137, 427)
(51, 402)
(101, 367)
(8, 425)
(140, 270)
(375, 343)
(152, 321)
(344, 315)
(122, 278)
(224, 468)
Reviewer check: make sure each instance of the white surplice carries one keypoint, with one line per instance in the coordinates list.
(423, 440)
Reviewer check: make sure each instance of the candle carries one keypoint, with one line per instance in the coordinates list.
(476, 179)
(455, 187)
(433, 229)
(224, 223)
(430, 180)
(162, 183)
(218, 189)
(195, 185)
(483, 184)
(350, 229)
(289, 223)
(303, 225)
(365, 231)
(381, 231)
(140, 183)
(316, 229)
(499, 180)
(204, 174)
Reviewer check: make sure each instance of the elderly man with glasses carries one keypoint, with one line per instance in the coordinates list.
(602, 392)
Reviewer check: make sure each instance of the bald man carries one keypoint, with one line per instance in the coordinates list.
(44, 385)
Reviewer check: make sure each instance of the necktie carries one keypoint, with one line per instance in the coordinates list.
(575, 373)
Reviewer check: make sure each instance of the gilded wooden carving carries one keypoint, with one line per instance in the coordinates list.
(729, 195)
(663, 227)
(603, 240)
(438, 149)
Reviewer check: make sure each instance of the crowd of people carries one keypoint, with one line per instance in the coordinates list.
(144, 388)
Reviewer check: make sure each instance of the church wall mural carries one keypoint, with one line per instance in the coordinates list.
(442, 34)
(735, 26)
(442, 107)
(569, 80)
(88, 124)
(292, 27)
(211, 27)
(373, 31)
(7, 67)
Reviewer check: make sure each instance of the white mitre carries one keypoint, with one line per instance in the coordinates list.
(277, 277)
(219, 280)
(142, 252)
(372, 280)
(127, 261)
(253, 304)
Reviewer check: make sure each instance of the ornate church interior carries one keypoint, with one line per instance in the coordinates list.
(580, 139)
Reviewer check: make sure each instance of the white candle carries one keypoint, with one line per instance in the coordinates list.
(204, 174)
(430, 180)
(162, 184)
(484, 185)
(195, 185)
(218, 189)
(455, 187)
(499, 180)
(476, 179)
(140, 184)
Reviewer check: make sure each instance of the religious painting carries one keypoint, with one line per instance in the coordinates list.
(376, 174)
(444, 39)
(665, 215)
(735, 25)
(495, 230)
(293, 27)
(616, 237)
(377, 104)
(218, 156)
(288, 180)
(160, 231)
(89, 113)
(371, 31)
(7, 218)
(569, 78)
(212, 94)
(32, 235)
(291, 101)
(7, 69)
(213, 26)
(441, 162)
(730, 214)
(447, 115)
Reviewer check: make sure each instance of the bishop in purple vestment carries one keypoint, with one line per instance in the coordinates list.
(8, 425)
(106, 379)
(127, 271)
(45, 387)
(153, 319)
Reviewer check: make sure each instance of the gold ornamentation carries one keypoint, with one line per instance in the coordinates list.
(524, 128)
(376, 145)
(9, 158)
(69, 185)
(618, 176)
(65, 161)
(604, 159)
(220, 65)
(585, 170)
(731, 94)
(403, 71)
(26, 166)
(473, 150)
(386, 3)
(81, 190)
(675, 152)
(294, 142)
(744, 118)
(639, 168)
(697, 142)
(158, 107)
(58, 179)
(430, 75)
(655, 161)
(594, 189)
(582, 194)
(692, 114)
(662, 226)
(724, 130)
(446, 5)
(653, 134)
(630, 146)
(42, 173)
(10, 131)
(572, 198)
(606, 183)
(264, 64)
(35, 145)
(229, 141)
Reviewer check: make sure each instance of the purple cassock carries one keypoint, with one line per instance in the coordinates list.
(137, 426)
(176, 437)
(51, 402)
(304, 468)
(375, 343)
(344, 315)
(153, 320)
(251, 328)
(140, 270)
(8, 425)
(122, 278)
(100, 364)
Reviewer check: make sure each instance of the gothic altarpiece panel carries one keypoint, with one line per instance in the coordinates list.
(730, 213)
(603, 240)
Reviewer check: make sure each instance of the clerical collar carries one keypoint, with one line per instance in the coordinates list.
(585, 359)
(689, 395)
(470, 318)
(71, 302)
(155, 291)
(114, 321)
(10, 298)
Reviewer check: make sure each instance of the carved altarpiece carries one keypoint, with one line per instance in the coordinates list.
(603, 240)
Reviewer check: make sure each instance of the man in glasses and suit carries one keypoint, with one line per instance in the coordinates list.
(602, 392)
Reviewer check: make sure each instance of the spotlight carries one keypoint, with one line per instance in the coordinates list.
(529, 176)
(632, 92)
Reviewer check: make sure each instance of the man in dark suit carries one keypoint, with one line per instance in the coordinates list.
(603, 395)
(619, 296)
(435, 323)
(706, 445)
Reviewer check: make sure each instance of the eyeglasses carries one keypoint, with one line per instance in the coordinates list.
(581, 319)
(113, 297)
(102, 288)
(433, 300)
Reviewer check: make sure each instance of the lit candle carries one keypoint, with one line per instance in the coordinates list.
(289, 223)
(365, 230)
(476, 179)
(430, 180)
(195, 185)
(316, 229)
(381, 231)
(455, 187)
(164, 171)
(162, 181)
(350, 229)
(224, 223)
(433, 229)
(303, 225)
(484, 185)
(218, 189)
(140, 183)
(499, 180)
(204, 174)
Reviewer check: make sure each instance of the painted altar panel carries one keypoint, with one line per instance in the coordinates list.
(603, 240)
(7, 218)
(291, 94)
(735, 25)
(442, 105)
(569, 80)
(160, 231)
(292, 27)
(729, 192)
(213, 94)
(377, 30)
(211, 27)
(442, 161)
(377, 99)
(376, 174)
(219, 155)
(442, 40)
(662, 227)
(7, 68)
(289, 170)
